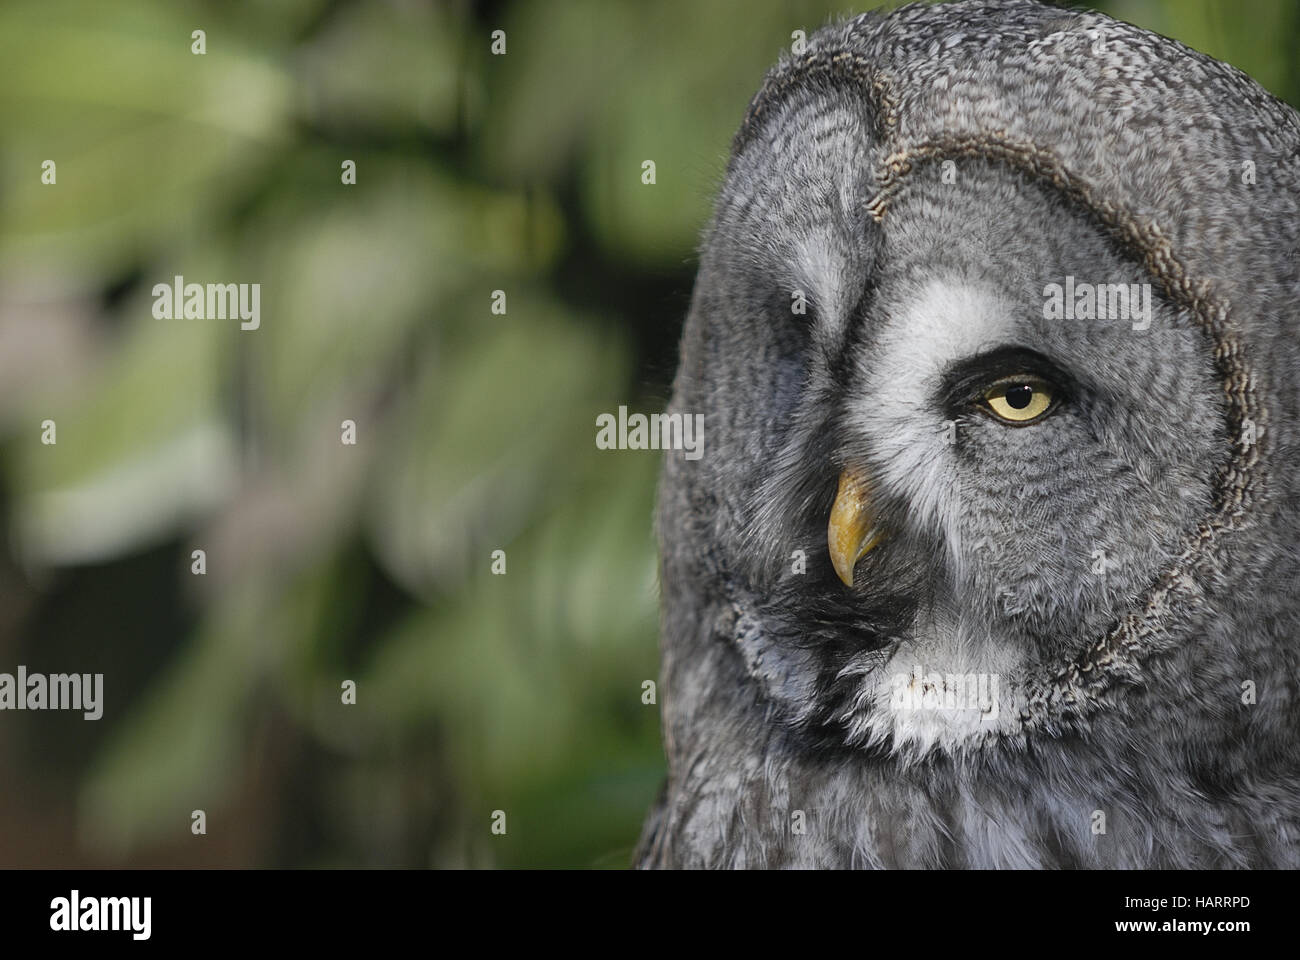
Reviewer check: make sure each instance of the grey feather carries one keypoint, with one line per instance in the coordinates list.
(1125, 568)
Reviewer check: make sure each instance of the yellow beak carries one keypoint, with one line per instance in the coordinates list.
(852, 532)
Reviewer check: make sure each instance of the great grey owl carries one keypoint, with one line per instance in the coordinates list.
(991, 559)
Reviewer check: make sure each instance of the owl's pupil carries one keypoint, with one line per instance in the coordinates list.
(1018, 397)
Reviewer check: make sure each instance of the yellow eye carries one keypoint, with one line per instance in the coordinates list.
(1019, 400)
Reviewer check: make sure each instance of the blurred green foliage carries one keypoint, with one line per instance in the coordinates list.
(371, 562)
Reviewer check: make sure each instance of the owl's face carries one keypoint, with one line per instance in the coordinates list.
(984, 472)
(997, 523)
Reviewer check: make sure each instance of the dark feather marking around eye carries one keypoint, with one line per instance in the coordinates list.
(843, 364)
(965, 382)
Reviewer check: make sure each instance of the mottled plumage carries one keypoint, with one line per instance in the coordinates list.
(1124, 568)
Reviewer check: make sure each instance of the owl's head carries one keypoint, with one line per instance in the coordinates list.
(977, 335)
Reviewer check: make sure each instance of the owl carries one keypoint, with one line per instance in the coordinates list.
(991, 559)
